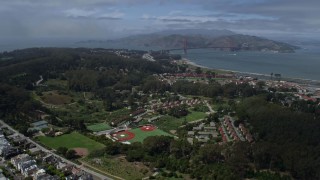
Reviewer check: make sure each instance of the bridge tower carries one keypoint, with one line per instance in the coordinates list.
(185, 46)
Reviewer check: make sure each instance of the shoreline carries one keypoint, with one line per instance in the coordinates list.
(261, 76)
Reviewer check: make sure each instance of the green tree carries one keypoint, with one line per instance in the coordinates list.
(71, 154)
(62, 150)
(198, 70)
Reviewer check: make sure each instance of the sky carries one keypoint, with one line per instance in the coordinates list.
(109, 19)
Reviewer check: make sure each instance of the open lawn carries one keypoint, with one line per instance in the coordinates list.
(168, 123)
(99, 127)
(53, 97)
(120, 167)
(57, 83)
(72, 140)
(194, 115)
(141, 135)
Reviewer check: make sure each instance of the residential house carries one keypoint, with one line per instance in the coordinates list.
(38, 126)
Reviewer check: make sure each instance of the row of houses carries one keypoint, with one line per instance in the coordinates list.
(38, 126)
(223, 134)
(246, 133)
(33, 164)
(231, 129)
(122, 121)
(6, 149)
(198, 75)
(306, 98)
(26, 165)
(195, 77)
(203, 132)
(168, 105)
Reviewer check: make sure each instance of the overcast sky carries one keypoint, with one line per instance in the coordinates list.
(107, 19)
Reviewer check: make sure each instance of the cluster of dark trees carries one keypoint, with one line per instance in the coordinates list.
(214, 89)
(68, 153)
(160, 55)
(25, 66)
(210, 161)
(178, 111)
(307, 107)
(287, 140)
(15, 105)
(285, 99)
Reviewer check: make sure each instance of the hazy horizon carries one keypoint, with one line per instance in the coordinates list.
(108, 19)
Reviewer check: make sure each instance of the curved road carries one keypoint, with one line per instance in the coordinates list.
(100, 176)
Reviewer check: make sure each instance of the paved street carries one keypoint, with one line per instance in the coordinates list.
(103, 177)
(210, 108)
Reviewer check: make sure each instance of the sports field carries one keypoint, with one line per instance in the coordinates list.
(99, 127)
(70, 141)
(139, 134)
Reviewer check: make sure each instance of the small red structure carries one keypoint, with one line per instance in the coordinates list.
(148, 128)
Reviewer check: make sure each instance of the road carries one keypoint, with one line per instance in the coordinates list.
(193, 122)
(56, 155)
(224, 131)
(38, 82)
(210, 108)
(154, 118)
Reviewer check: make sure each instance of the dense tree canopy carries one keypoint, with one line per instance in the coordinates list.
(287, 140)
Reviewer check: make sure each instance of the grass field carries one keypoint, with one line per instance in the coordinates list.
(52, 97)
(141, 135)
(193, 116)
(121, 167)
(72, 140)
(168, 123)
(99, 127)
(57, 83)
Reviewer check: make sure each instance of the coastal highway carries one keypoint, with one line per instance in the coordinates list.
(98, 175)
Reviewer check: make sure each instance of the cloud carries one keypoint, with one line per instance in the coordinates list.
(116, 15)
(109, 18)
(76, 13)
(95, 14)
(179, 18)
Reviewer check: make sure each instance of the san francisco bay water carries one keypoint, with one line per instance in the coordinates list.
(303, 64)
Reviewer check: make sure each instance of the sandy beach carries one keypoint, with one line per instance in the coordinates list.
(256, 75)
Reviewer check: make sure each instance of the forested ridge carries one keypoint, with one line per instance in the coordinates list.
(54, 62)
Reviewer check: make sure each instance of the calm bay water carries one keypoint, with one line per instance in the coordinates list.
(303, 64)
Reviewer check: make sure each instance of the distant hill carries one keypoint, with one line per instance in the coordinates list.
(196, 38)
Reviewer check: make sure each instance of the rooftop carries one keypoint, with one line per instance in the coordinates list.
(39, 123)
